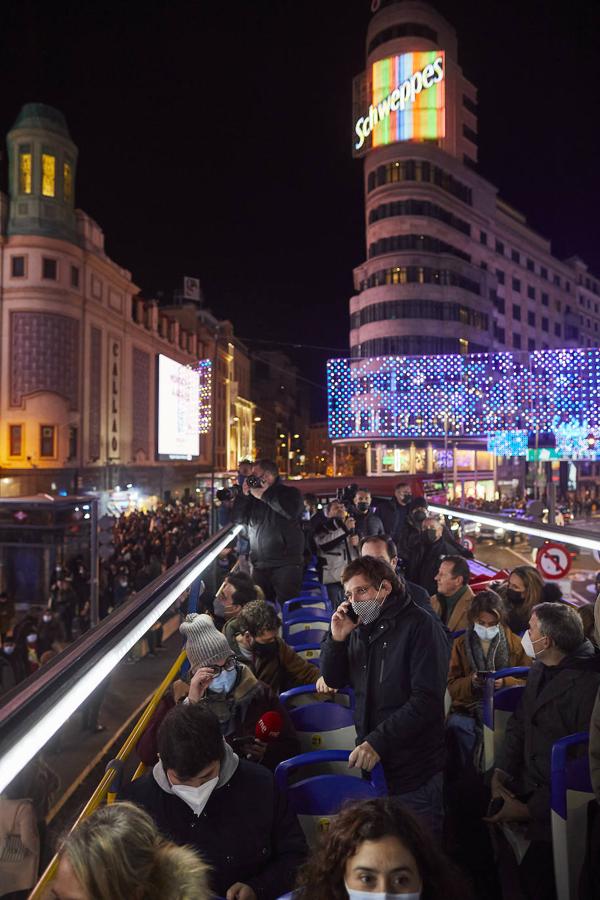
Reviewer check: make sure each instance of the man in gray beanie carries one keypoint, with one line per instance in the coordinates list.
(230, 689)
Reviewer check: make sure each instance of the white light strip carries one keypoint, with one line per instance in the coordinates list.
(40, 733)
(584, 543)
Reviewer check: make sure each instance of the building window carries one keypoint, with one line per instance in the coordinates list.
(516, 312)
(530, 344)
(47, 440)
(15, 440)
(418, 242)
(515, 256)
(48, 175)
(516, 285)
(74, 276)
(419, 275)
(556, 280)
(463, 346)
(545, 325)
(469, 104)
(531, 319)
(49, 268)
(517, 341)
(544, 273)
(469, 134)
(406, 29)
(17, 266)
(418, 170)
(483, 265)
(500, 248)
(557, 329)
(72, 442)
(500, 276)
(545, 299)
(483, 238)
(530, 266)
(67, 182)
(414, 207)
(499, 304)
(25, 169)
(531, 292)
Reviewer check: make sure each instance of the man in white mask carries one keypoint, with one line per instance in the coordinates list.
(395, 656)
(557, 701)
(202, 795)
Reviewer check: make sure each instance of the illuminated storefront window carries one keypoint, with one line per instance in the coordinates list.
(48, 175)
(67, 182)
(24, 170)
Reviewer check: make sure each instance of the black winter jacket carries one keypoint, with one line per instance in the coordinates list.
(245, 833)
(557, 701)
(273, 526)
(398, 667)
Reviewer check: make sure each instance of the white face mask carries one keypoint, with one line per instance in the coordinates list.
(486, 634)
(379, 895)
(368, 610)
(195, 797)
(527, 645)
(224, 682)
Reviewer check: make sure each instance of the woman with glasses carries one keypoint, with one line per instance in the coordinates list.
(221, 683)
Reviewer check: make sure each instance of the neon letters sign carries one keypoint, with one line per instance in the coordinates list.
(408, 100)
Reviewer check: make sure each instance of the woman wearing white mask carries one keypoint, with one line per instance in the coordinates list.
(376, 850)
(486, 646)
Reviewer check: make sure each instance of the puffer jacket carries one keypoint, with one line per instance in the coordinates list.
(557, 701)
(273, 525)
(332, 540)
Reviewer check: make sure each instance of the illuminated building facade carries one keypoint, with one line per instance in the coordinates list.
(78, 344)
(450, 268)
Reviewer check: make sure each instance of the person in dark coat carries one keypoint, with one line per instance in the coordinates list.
(410, 544)
(558, 700)
(200, 794)
(435, 547)
(396, 659)
(366, 522)
(393, 513)
(236, 697)
(272, 516)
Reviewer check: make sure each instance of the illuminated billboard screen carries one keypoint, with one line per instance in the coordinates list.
(178, 399)
(402, 98)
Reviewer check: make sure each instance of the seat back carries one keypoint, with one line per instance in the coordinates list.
(307, 694)
(571, 793)
(324, 726)
(306, 604)
(498, 707)
(306, 620)
(310, 652)
(306, 636)
(316, 800)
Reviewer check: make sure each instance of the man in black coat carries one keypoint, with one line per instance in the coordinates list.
(393, 513)
(202, 795)
(396, 659)
(558, 700)
(366, 522)
(272, 514)
(435, 546)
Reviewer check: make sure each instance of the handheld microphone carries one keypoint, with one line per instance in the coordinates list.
(269, 726)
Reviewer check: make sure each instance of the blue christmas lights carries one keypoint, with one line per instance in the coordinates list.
(501, 396)
(204, 369)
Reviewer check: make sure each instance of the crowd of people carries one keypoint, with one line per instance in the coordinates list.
(418, 646)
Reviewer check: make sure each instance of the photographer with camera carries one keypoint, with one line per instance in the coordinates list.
(337, 545)
(271, 512)
(367, 522)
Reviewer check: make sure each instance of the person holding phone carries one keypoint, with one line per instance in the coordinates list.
(486, 646)
(395, 657)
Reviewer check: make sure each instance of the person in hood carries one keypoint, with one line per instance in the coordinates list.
(376, 848)
(558, 700)
(201, 794)
(228, 687)
(395, 657)
(366, 522)
(254, 637)
(117, 852)
(271, 512)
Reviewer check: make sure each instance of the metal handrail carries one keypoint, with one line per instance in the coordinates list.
(112, 769)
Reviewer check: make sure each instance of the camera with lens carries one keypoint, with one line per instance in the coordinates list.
(229, 493)
(346, 495)
(254, 481)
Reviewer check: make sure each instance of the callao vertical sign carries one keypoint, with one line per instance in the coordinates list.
(402, 98)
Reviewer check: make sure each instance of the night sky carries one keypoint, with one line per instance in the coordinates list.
(215, 139)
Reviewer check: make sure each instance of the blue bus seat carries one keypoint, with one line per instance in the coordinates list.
(308, 636)
(306, 620)
(309, 652)
(307, 694)
(315, 800)
(498, 707)
(571, 793)
(324, 726)
(308, 604)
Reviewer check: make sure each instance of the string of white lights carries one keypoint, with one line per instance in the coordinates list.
(25, 748)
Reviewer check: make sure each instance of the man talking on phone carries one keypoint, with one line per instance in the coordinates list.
(396, 658)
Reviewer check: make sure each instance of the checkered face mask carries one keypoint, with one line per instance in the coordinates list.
(368, 610)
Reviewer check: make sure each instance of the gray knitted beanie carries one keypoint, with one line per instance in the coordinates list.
(204, 644)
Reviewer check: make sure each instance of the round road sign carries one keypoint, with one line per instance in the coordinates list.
(468, 544)
(553, 561)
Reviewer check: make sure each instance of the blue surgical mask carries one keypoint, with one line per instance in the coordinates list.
(486, 634)
(224, 682)
(379, 895)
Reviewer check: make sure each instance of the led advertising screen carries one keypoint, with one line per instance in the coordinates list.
(403, 98)
(178, 398)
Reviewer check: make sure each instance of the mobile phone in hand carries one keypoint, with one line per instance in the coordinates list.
(495, 806)
(240, 742)
(351, 614)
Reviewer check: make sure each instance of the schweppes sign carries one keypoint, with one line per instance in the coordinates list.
(407, 95)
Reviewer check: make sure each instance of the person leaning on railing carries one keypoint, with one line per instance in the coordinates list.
(118, 853)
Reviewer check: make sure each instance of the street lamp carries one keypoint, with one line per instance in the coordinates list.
(287, 437)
